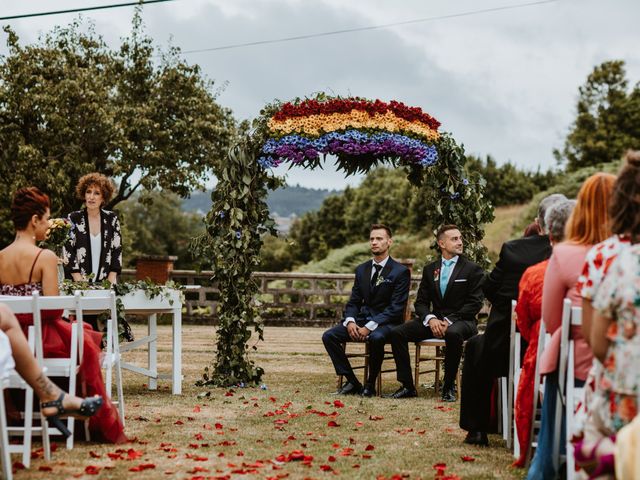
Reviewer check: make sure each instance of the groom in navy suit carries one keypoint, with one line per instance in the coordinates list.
(377, 303)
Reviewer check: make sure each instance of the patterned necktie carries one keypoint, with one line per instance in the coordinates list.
(374, 279)
(444, 275)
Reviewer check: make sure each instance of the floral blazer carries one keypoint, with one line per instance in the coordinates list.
(77, 253)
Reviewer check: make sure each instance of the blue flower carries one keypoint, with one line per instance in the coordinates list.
(221, 214)
(465, 181)
(238, 234)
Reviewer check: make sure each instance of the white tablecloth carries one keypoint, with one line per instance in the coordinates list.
(6, 359)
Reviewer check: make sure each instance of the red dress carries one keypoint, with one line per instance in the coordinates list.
(529, 313)
(105, 425)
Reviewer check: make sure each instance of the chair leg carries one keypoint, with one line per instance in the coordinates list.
(416, 370)
(28, 427)
(4, 440)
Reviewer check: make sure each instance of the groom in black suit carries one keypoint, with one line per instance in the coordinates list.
(377, 303)
(448, 301)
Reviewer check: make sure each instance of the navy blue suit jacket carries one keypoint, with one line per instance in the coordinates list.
(384, 303)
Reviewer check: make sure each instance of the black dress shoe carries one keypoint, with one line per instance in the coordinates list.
(477, 438)
(449, 395)
(369, 391)
(403, 392)
(350, 389)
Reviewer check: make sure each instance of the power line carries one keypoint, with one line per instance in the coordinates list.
(84, 9)
(371, 27)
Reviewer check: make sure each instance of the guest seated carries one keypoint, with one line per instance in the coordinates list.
(25, 268)
(624, 210)
(528, 314)
(487, 356)
(448, 301)
(614, 339)
(377, 303)
(588, 225)
(54, 403)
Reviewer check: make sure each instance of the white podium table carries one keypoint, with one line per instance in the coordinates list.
(170, 302)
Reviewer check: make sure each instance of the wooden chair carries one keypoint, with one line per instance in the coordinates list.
(363, 352)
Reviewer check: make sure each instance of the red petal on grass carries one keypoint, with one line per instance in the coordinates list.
(375, 417)
(133, 454)
(467, 458)
(338, 404)
(333, 423)
(196, 409)
(273, 399)
(439, 466)
(93, 454)
(198, 469)
(178, 422)
(115, 456)
(355, 465)
(326, 468)
(219, 426)
(369, 447)
(143, 466)
(194, 445)
(92, 470)
(198, 436)
(359, 424)
(229, 393)
(45, 468)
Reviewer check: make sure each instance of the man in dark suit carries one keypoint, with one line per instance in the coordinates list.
(377, 303)
(487, 356)
(448, 301)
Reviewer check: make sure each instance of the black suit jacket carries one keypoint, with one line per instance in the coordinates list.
(384, 303)
(462, 299)
(501, 285)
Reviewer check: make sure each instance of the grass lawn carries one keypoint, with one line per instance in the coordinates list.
(292, 429)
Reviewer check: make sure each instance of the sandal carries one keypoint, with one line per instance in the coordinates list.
(88, 408)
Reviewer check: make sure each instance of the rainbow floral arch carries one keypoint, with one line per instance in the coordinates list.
(358, 131)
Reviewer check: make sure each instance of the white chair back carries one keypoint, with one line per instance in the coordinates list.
(574, 396)
(563, 358)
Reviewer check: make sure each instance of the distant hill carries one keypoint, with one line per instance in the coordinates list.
(284, 201)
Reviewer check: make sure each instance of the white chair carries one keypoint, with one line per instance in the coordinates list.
(5, 455)
(569, 395)
(538, 389)
(95, 302)
(24, 305)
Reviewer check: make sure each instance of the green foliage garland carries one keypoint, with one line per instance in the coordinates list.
(238, 218)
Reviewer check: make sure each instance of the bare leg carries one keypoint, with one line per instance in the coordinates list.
(27, 366)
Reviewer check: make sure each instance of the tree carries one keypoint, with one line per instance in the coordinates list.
(69, 105)
(158, 226)
(606, 123)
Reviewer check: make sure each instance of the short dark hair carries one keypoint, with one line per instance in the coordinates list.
(27, 202)
(445, 228)
(380, 226)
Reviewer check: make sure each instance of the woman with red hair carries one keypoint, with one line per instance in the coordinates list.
(587, 225)
(25, 268)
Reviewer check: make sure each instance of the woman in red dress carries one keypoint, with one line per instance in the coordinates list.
(25, 268)
(528, 314)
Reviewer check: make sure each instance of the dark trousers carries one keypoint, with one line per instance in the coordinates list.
(336, 336)
(486, 357)
(415, 331)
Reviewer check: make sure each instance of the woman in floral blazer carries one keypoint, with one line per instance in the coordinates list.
(95, 247)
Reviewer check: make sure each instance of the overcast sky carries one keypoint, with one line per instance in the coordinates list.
(504, 83)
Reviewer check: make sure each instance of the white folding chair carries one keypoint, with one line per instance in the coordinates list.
(24, 305)
(5, 455)
(538, 389)
(61, 367)
(563, 359)
(99, 301)
(574, 396)
(509, 384)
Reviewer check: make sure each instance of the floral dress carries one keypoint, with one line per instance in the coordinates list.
(619, 298)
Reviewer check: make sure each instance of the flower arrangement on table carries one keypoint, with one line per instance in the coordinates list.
(356, 130)
(58, 233)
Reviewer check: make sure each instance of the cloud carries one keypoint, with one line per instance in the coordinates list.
(504, 83)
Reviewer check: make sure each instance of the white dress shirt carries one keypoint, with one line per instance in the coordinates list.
(370, 325)
(452, 266)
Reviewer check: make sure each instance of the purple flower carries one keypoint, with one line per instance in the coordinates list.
(465, 181)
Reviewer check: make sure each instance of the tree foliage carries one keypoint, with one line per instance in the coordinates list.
(158, 226)
(607, 122)
(70, 105)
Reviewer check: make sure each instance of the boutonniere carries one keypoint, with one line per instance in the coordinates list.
(379, 280)
(436, 275)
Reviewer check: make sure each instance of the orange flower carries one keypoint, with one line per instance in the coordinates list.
(627, 407)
